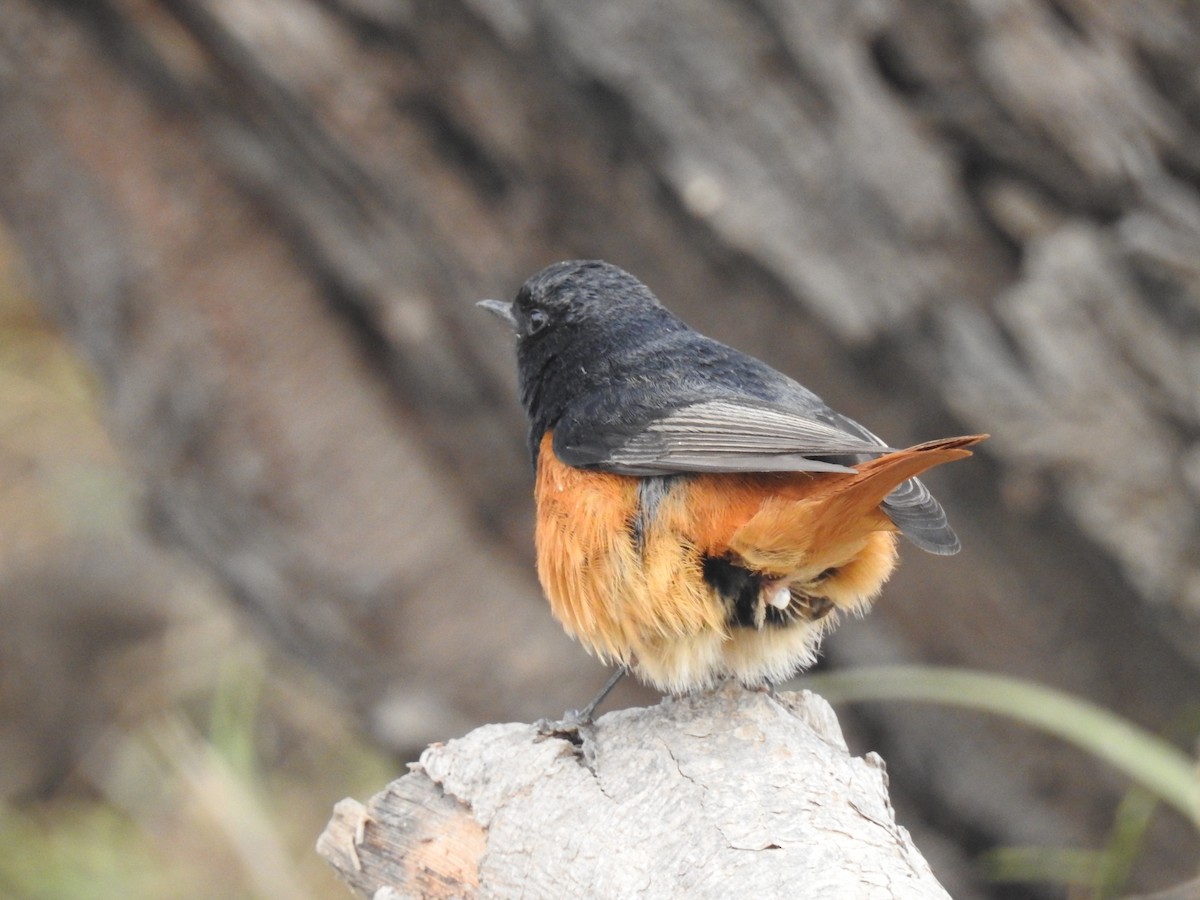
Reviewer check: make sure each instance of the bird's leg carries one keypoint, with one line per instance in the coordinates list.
(586, 713)
(574, 719)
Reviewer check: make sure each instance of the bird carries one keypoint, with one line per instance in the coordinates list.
(700, 516)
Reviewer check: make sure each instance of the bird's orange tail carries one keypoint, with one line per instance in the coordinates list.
(837, 512)
(878, 477)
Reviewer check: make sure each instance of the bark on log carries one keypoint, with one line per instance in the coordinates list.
(726, 794)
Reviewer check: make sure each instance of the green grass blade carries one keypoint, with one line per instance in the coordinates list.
(1145, 758)
(1051, 865)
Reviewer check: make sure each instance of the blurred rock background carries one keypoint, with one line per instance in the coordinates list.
(276, 525)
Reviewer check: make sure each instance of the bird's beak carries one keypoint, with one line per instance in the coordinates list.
(500, 308)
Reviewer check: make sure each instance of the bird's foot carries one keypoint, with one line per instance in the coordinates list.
(566, 728)
(574, 719)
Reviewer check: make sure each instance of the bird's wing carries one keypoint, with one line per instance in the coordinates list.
(720, 435)
(723, 435)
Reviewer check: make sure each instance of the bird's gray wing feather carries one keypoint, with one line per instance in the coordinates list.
(721, 436)
(734, 436)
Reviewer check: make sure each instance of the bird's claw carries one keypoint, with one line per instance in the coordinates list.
(567, 728)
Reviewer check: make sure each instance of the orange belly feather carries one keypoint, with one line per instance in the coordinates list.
(649, 607)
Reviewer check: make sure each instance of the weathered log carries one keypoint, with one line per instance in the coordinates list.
(732, 793)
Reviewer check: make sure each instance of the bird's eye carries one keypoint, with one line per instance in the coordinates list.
(537, 321)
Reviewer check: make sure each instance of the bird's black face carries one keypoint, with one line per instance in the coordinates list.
(562, 294)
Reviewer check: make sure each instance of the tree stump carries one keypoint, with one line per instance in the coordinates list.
(719, 794)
